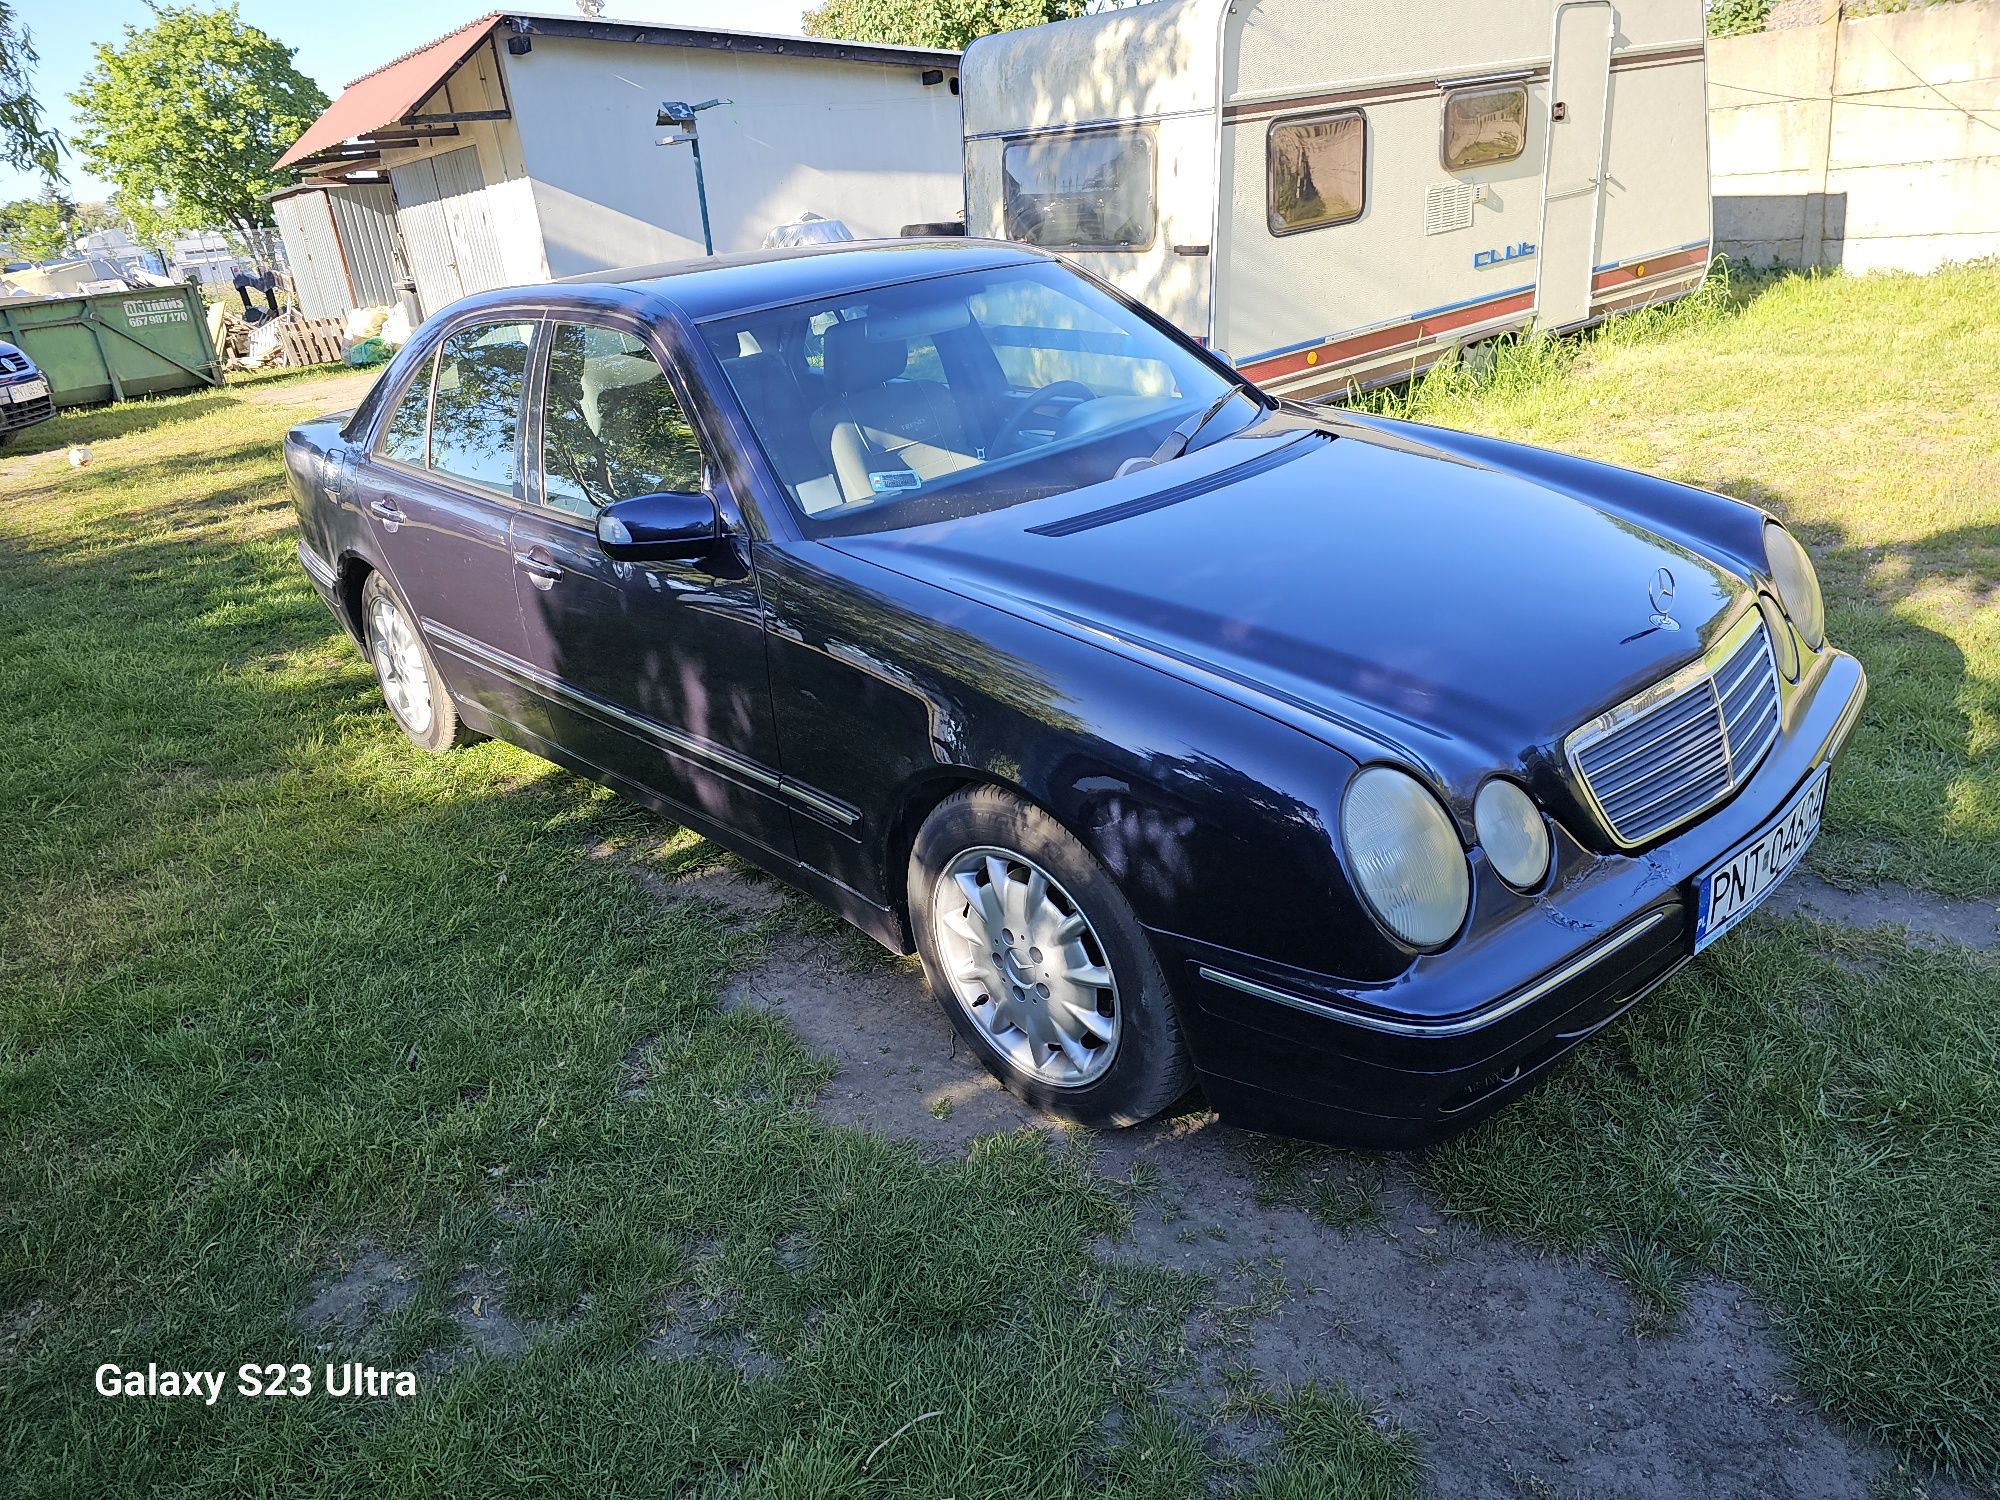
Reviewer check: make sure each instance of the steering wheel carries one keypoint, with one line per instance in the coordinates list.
(1057, 401)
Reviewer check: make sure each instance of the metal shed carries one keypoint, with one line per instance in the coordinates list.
(342, 243)
(523, 147)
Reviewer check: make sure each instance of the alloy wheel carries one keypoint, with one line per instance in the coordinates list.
(1027, 966)
(399, 661)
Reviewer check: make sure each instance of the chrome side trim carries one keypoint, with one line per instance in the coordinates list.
(673, 741)
(1850, 715)
(1498, 1011)
(1571, 1039)
(317, 568)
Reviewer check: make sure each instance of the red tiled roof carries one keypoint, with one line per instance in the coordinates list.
(389, 93)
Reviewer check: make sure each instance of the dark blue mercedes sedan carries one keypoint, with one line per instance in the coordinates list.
(1351, 769)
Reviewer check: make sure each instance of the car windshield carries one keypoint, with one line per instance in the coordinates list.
(931, 399)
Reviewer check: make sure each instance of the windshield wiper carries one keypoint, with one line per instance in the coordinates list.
(1177, 442)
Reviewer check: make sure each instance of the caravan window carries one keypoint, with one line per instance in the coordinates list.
(1484, 126)
(1316, 169)
(1088, 191)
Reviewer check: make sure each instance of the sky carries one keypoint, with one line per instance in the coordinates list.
(337, 40)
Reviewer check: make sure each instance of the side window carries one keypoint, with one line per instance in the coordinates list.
(1089, 191)
(612, 427)
(482, 374)
(1041, 336)
(409, 423)
(1484, 126)
(1315, 166)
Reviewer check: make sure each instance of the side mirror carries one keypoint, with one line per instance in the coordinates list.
(660, 528)
(1224, 356)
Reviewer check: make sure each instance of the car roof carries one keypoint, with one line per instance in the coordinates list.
(716, 286)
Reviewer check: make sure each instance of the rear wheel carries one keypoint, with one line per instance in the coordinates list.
(417, 697)
(1038, 960)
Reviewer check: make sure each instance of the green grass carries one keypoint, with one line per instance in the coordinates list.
(1864, 411)
(1811, 1112)
(278, 994)
(1815, 1113)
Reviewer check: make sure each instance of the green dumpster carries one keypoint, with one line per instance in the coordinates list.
(106, 346)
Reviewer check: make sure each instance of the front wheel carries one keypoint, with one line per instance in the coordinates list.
(417, 697)
(1038, 960)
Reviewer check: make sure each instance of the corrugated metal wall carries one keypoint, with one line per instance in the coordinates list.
(461, 186)
(364, 215)
(314, 254)
(447, 227)
(342, 246)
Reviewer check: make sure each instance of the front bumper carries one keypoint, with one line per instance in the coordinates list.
(1463, 1032)
(15, 415)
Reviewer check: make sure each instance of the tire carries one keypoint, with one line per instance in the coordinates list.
(416, 695)
(1117, 1063)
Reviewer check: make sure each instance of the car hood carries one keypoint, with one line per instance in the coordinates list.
(1433, 603)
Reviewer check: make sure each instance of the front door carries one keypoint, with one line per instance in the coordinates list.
(1573, 172)
(438, 491)
(654, 672)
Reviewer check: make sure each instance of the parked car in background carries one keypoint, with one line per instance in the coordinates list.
(24, 392)
(1354, 769)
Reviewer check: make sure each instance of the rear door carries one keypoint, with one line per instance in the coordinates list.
(1573, 173)
(654, 672)
(438, 492)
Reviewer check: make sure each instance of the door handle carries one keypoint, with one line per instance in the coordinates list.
(541, 572)
(387, 511)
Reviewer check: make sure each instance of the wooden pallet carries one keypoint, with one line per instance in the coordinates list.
(312, 341)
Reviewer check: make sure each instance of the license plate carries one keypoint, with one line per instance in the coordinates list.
(1736, 887)
(27, 390)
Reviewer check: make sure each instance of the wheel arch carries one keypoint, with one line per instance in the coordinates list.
(921, 797)
(351, 574)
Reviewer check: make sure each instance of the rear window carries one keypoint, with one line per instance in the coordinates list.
(1089, 191)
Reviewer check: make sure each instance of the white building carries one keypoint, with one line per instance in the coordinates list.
(524, 147)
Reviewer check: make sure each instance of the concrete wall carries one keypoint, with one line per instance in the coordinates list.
(1867, 144)
(863, 142)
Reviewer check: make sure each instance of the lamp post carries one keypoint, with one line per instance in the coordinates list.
(675, 112)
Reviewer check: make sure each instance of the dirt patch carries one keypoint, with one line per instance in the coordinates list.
(323, 393)
(1520, 1372)
(17, 1324)
(1975, 924)
(352, 1302)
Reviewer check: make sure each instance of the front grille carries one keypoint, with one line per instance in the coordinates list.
(26, 413)
(13, 363)
(1677, 749)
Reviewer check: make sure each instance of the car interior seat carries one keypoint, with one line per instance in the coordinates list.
(882, 433)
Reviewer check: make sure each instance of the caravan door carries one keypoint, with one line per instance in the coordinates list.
(1573, 169)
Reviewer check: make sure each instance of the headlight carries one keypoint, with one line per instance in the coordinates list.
(1798, 585)
(1405, 856)
(1513, 834)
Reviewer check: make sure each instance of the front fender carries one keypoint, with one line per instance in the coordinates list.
(1217, 821)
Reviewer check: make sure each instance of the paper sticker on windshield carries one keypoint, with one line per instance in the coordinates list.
(888, 481)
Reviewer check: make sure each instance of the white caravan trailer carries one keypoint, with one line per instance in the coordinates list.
(1339, 191)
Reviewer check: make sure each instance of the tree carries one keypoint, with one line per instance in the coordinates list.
(1737, 17)
(25, 142)
(932, 23)
(41, 228)
(187, 117)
